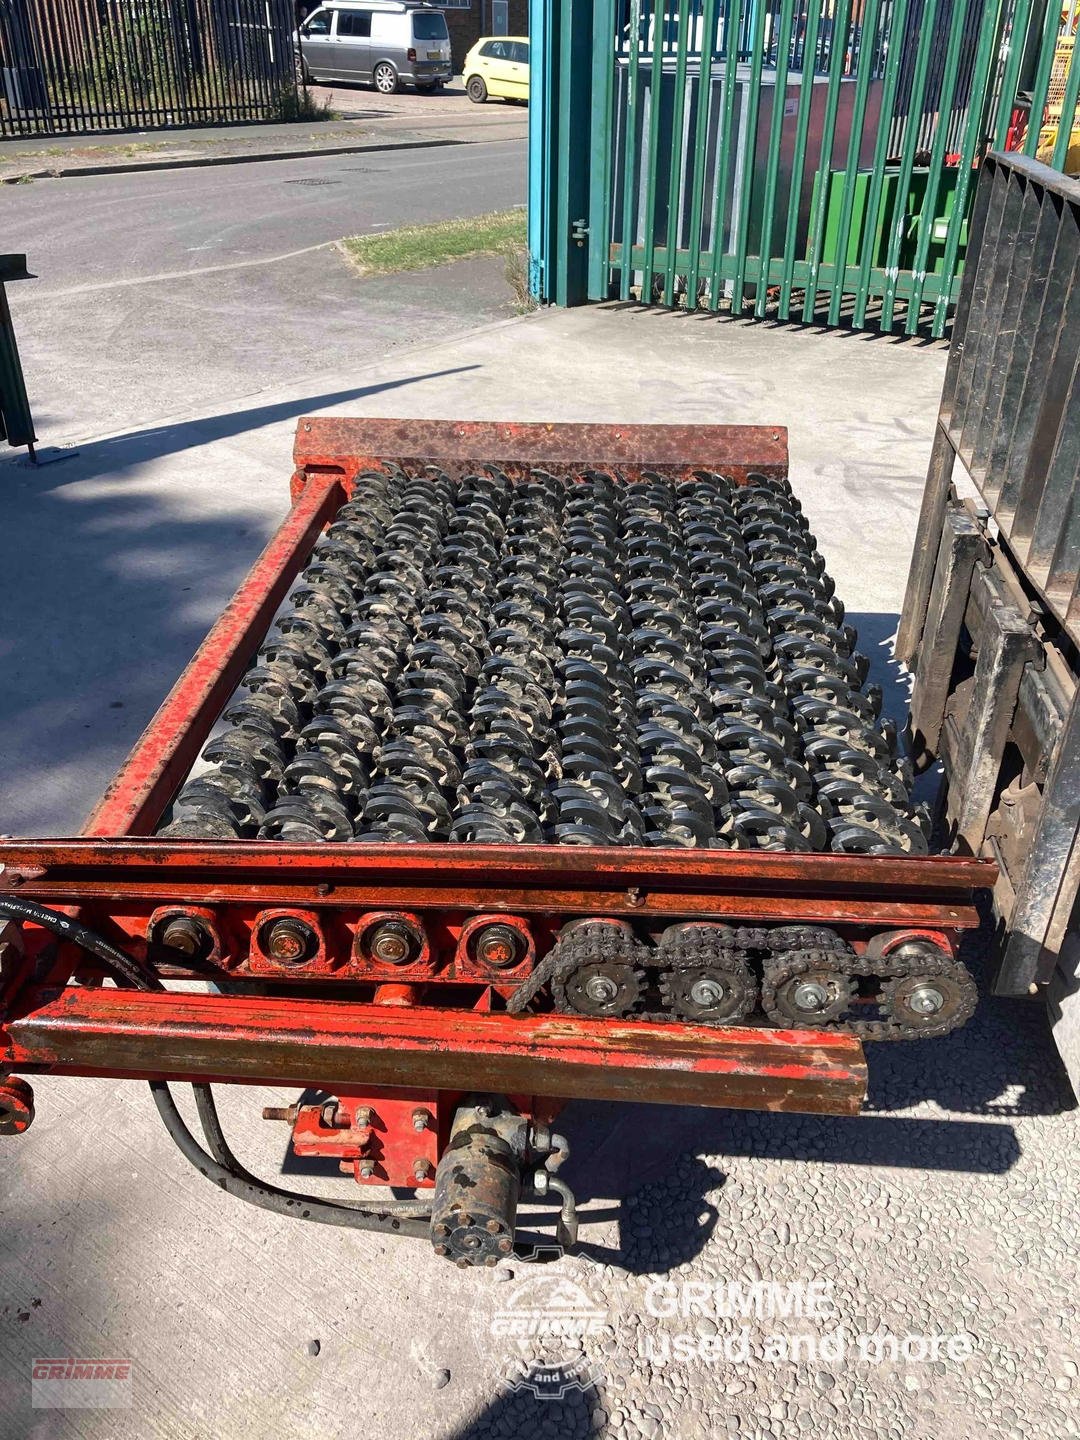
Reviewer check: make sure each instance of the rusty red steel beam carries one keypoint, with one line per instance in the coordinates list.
(356, 444)
(170, 744)
(873, 890)
(300, 1042)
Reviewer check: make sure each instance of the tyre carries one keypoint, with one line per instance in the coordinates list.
(476, 89)
(385, 77)
(303, 74)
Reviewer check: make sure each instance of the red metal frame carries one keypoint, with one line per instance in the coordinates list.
(286, 1041)
(437, 1024)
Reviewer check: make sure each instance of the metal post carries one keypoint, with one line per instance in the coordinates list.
(540, 155)
(16, 421)
(571, 72)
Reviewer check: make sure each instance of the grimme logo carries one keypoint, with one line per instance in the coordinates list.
(72, 1382)
(546, 1323)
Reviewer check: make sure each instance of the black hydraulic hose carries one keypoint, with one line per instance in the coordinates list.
(269, 1197)
(88, 940)
(221, 1151)
(222, 1167)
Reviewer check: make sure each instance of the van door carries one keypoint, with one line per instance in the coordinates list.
(354, 44)
(317, 43)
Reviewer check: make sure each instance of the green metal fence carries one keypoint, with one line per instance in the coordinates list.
(802, 159)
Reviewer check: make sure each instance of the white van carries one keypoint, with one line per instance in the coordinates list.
(382, 42)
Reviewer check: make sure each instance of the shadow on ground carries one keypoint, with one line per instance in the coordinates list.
(114, 573)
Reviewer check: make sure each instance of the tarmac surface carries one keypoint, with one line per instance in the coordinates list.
(357, 119)
(196, 287)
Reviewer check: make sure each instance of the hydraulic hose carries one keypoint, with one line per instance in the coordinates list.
(244, 1186)
(222, 1166)
(88, 940)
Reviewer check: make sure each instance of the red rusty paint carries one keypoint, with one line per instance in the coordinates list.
(170, 744)
(299, 1041)
(344, 446)
(385, 1146)
(877, 891)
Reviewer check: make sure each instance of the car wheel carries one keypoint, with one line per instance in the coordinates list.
(476, 89)
(303, 74)
(385, 78)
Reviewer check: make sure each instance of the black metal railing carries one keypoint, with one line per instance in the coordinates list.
(77, 67)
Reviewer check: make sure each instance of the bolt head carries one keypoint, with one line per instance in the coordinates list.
(493, 1227)
(810, 996)
(367, 1168)
(926, 1000)
(498, 945)
(706, 993)
(440, 1249)
(183, 933)
(505, 1245)
(289, 940)
(392, 942)
(601, 989)
(440, 1229)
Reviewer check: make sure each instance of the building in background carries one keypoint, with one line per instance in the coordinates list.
(467, 20)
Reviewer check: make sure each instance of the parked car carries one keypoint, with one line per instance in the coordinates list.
(386, 43)
(498, 65)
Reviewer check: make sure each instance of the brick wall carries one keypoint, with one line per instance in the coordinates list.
(467, 26)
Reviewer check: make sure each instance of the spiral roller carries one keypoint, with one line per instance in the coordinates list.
(584, 659)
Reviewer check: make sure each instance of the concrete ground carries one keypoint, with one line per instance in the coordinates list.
(947, 1213)
(186, 290)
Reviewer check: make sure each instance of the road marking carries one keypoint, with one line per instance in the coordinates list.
(171, 275)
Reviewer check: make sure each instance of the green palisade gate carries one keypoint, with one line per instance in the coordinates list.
(810, 160)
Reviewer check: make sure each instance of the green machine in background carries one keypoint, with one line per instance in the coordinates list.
(913, 214)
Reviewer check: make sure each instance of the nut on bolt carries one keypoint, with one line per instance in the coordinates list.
(498, 945)
(421, 1119)
(422, 1169)
(289, 940)
(187, 934)
(393, 942)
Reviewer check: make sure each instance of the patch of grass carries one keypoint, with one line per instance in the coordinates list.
(300, 105)
(419, 247)
(517, 277)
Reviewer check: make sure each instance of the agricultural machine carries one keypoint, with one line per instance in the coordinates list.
(533, 763)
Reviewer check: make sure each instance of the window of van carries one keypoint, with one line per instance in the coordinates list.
(317, 24)
(356, 23)
(429, 27)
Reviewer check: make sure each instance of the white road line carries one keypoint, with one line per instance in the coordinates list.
(170, 275)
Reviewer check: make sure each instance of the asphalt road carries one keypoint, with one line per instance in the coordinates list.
(162, 293)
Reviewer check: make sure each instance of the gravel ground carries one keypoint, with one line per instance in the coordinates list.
(947, 1210)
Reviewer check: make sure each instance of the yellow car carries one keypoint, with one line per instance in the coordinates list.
(498, 65)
